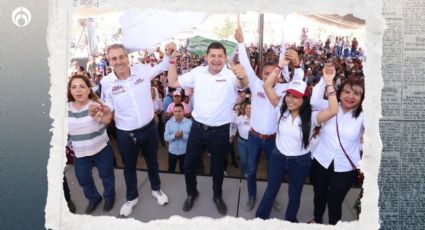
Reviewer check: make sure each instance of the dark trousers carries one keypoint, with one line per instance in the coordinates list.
(232, 154)
(129, 144)
(330, 188)
(172, 162)
(104, 161)
(216, 139)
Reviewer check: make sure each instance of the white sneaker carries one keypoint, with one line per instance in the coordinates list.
(160, 196)
(127, 208)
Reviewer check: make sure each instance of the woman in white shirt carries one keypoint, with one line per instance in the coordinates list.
(157, 103)
(333, 172)
(243, 123)
(292, 156)
(87, 117)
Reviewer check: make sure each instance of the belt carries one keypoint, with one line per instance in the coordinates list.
(262, 136)
(206, 127)
(143, 128)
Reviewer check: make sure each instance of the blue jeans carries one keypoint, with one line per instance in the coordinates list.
(217, 141)
(338, 51)
(129, 144)
(243, 155)
(353, 52)
(255, 146)
(297, 168)
(104, 162)
(346, 53)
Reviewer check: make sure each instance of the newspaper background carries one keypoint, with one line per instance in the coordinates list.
(402, 127)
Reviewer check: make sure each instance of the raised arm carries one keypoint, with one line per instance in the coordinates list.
(332, 109)
(317, 102)
(171, 50)
(243, 56)
(164, 64)
(241, 76)
(271, 81)
(294, 58)
(290, 57)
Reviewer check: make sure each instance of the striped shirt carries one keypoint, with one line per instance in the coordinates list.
(88, 136)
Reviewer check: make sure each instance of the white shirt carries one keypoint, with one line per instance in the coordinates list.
(263, 113)
(131, 99)
(289, 138)
(214, 95)
(244, 125)
(105, 82)
(328, 147)
(350, 129)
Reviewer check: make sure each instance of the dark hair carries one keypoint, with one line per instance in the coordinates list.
(216, 45)
(353, 82)
(239, 111)
(86, 80)
(178, 105)
(242, 108)
(305, 116)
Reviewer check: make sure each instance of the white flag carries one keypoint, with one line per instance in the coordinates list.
(142, 29)
(285, 72)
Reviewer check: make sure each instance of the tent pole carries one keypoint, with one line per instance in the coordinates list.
(260, 42)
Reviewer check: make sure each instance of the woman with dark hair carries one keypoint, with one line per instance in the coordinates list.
(243, 122)
(337, 155)
(292, 156)
(87, 117)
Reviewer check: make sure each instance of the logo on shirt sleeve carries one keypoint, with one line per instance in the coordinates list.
(117, 89)
(261, 94)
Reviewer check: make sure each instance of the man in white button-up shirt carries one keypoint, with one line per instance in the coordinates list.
(128, 93)
(215, 93)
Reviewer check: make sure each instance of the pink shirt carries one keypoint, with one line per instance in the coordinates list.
(186, 107)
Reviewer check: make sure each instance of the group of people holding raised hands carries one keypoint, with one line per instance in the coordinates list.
(280, 120)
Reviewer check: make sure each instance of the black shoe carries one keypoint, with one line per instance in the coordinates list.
(250, 204)
(92, 206)
(188, 203)
(107, 206)
(71, 206)
(221, 206)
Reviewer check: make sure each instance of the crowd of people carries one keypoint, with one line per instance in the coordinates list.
(204, 104)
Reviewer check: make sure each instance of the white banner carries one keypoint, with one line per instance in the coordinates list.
(142, 29)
